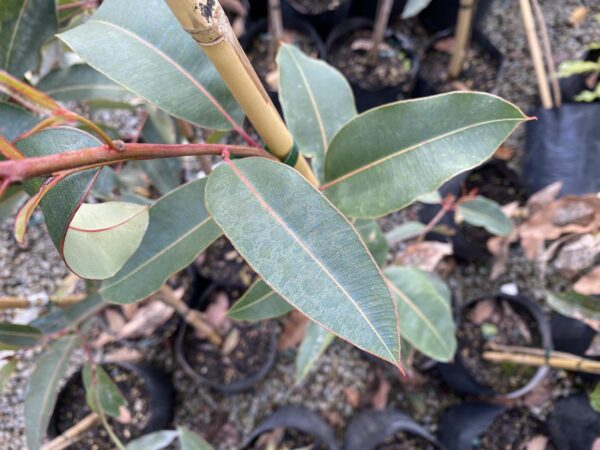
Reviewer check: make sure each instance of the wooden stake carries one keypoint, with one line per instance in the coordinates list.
(536, 54)
(207, 24)
(191, 316)
(548, 52)
(73, 434)
(384, 9)
(462, 35)
(8, 302)
(538, 357)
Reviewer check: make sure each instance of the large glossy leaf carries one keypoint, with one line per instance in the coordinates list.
(424, 309)
(404, 231)
(191, 441)
(153, 441)
(386, 158)
(572, 304)
(60, 204)
(372, 236)
(11, 201)
(316, 100)
(71, 317)
(102, 237)
(179, 229)
(15, 120)
(14, 336)
(102, 394)
(140, 44)
(316, 341)
(259, 302)
(486, 213)
(24, 26)
(42, 390)
(81, 83)
(305, 250)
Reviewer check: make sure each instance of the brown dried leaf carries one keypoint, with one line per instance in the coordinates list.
(544, 197)
(540, 395)
(216, 313)
(578, 15)
(499, 246)
(504, 153)
(272, 79)
(294, 327)
(444, 45)
(115, 320)
(147, 320)
(578, 255)
(424, 255)
(124, 415)
(123, 354)
(482, 312)
(589, 284)
(231, 341)
(380, 398)
(353, 397)
(539, 442)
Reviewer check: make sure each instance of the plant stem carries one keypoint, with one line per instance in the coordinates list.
(190, 135)
(192, 317)
(548, 52)
(447, 205)
(24, 169)
(384, 9)
(538, 357)
(462, 35)
(536, 54)
(73, 434)
(275, 28)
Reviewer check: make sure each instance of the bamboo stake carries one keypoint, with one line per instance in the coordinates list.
(548, 52)
(192, 317)
(9, 302)
(462, 35)
(536, 54)
(73, 434)
(384, 9)
(206, 22)
(539, 357)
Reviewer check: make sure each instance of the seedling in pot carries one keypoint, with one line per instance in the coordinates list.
(292, 224)
(590, 70)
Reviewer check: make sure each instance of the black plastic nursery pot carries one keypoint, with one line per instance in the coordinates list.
(368, 8)
(323, 15)
(147, 389)
(255, 43)
(482, 68)
(477, 425)
(573, 424)
(495, 181)
(442, 14)
(241, 368)
(374, 430)
(302, 427)
(466, 373)
(570, 335)
(391, 79)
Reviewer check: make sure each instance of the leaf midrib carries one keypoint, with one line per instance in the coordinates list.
(14, 35)
(263, 203)
(410, 148)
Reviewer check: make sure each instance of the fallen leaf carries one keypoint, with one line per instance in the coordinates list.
(114, 319)
(231, 341)
(380, 398)
(294, 326)
(589, 284)
(499, 246)
(444, 45)
(216, 312)
(147, 320)
(540, 395)
(424, 255)
(504, 153)
(544, 197)
(578, 15)
(123, 354)
(577, 255)
(482, 312)
(352, 396)
(538, 442)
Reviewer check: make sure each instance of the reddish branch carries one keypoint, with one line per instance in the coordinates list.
(20, 170)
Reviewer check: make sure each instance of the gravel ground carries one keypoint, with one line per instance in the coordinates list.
(342, 371)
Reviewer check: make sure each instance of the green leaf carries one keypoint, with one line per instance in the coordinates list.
(404, 232)
(414, 7)
(141, 45)
(102, 237)
(61, 319)
(153, 441)
(14, 336)
(6, 372)
(372, 236)
(424, 309)
(316, 100)
(316, 261)
(24, 27)
(595, 398)
(574, 305)
(569, 68)
(179, 230)
(81, 83)
(15, 120)
(42, 390)
(432, 198)
(10, 202)
(486, 213)
(101, 392)
(259, 302)
(191, 441)
(386, 158)
(60, 204)
(316, 341)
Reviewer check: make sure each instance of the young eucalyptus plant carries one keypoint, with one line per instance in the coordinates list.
(310, 234)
